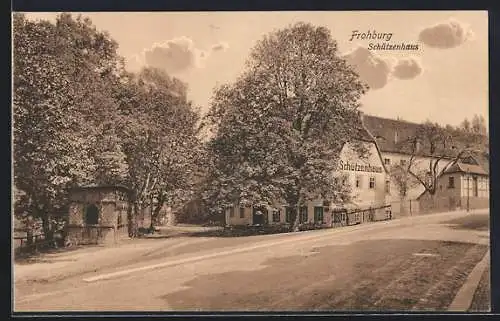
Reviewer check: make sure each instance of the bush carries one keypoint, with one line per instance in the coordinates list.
(312, 226)
(249, 230)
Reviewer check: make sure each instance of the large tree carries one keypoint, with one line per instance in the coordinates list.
(79, 118)
(60, 95)
(279, 128)
(478, 125)
(158, 130)
(439, 147)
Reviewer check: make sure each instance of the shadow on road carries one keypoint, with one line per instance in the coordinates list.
(476, 222)
(391, 277)
(219, 231)
(44, 256)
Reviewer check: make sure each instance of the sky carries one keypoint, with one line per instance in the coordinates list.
(445, 80)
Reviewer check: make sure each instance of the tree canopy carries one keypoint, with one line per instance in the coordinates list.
(80, 118)
(280, 127)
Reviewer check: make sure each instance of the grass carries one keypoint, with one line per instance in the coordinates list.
(477, 222)
(41, 256)
(481, 301)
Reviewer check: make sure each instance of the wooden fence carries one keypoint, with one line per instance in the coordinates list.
(21, 243)
(358, 216)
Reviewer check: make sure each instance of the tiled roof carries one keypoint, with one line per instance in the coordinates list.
(466, 168)
(483, 160)
(394, 135)
(384, 130)
(364, 134)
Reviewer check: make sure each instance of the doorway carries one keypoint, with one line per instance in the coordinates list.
(259, 215)
(92, 215)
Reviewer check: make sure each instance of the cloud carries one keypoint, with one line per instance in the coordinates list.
(377, 71)
(444, 35)
(175, 56)
(221, 46)
(407, 68)
(371, 68)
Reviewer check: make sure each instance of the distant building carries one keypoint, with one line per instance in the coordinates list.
(98, 214)
(391, 135)
(461, 186)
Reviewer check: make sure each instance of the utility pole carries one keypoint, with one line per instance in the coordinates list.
(468, 189)
(151, 226)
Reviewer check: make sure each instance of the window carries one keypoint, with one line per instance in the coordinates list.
(388, 187)
(289, 214)
(451, 182)
(372, 182)
(402, 162)
(303, 214)
(395, 137)
(276, 216)
(318, 214)
(474, 186)
(92, 215)
(387, 161)
(358, 182)
(231, 211)
(242, 212)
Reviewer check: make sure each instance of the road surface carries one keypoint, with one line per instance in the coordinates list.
(417, 263)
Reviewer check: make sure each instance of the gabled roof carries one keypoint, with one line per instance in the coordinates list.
(363, 133)
(366, 135)
(483, 160)
(384, 130)
(466, 168)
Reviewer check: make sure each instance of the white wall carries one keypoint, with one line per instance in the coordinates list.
(364, 196)
(419, 164)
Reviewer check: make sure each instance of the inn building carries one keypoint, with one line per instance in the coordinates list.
(371, 184)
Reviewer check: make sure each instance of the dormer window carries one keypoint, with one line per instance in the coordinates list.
(395, 137)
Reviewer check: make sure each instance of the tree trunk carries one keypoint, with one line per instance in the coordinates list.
(29, 235)
(47, 226)
(433, 203)
(296, 220)
(132, 219)
(29, 230)
(293, 202)
(156, 212)
(402, 206)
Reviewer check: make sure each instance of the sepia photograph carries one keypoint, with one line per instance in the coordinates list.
(244, 161)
